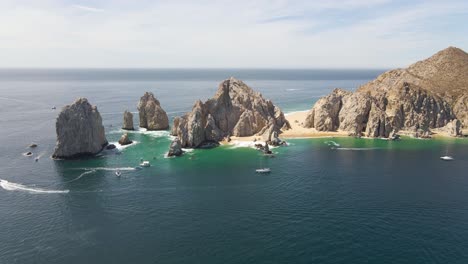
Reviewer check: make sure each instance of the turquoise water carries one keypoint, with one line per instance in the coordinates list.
(366, 201)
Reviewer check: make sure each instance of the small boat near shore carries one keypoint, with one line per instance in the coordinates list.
(263, 170)
(447, 158)
(145, 164)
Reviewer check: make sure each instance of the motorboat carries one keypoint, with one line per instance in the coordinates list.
(145, 164)
(263, 170)
(447, 158)
(118, 173)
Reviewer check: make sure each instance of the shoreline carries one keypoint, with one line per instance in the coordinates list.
(297, 131)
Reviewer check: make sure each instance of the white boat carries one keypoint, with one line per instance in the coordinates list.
(263, 170)
(145, 163)
(118, 173)
(447, 158)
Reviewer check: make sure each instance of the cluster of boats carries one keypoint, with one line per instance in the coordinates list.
(264, 170)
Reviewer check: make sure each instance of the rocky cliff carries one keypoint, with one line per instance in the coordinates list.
(127, 121)
(429, 94)
(152, 116)
(235, 110)
(79, 131)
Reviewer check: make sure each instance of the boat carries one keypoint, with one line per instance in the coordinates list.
(118, 173)
(145, 164)
(447, 158)
(263, 170)
(53, 107)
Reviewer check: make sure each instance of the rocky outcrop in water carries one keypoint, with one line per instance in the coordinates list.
(235, 110)
(127, 121)
(151, 114)
(125, 140)
(79, 131)
(175, 149)
(427, 95)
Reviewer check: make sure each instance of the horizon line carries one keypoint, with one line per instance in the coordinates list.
(197, 68)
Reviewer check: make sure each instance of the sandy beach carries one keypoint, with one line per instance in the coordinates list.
(296, 120)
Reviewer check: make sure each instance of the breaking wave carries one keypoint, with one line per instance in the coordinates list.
(144, 131)
(11, 186)
(118, 146)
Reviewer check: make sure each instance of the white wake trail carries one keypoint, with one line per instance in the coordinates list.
(356, 149)
(107, 169)
(11, 186)
(81, 175)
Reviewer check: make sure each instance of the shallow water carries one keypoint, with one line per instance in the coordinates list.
(351, 201)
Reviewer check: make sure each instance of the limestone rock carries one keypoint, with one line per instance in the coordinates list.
(453, 128)
(235, 110)
(127, 121)
(427, 95)
(151, 114)
(460, 109)
(354, 113)
(124, 140)
(325, 114)
(175, 149)
(79, 131)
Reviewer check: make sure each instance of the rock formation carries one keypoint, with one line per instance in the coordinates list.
(124, 140)
(235, 110)
(453, 128)
(79, 131)
(175, 149)
(127, 121)
(428, 94)
(152, 116)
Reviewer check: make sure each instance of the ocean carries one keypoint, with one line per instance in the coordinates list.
(327, 200)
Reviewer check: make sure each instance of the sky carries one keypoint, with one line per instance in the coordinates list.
(227, 34)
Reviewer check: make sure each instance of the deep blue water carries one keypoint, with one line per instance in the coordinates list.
(371, 201)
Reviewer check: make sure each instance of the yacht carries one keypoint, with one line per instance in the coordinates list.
(447, 158)
(263, 170)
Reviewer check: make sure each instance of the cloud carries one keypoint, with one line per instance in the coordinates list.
(262, 33)
(88, 8)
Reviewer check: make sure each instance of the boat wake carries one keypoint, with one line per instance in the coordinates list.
(107, 169)
(11, 186)
(81, 175)
(332, 143)
(356, 149)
